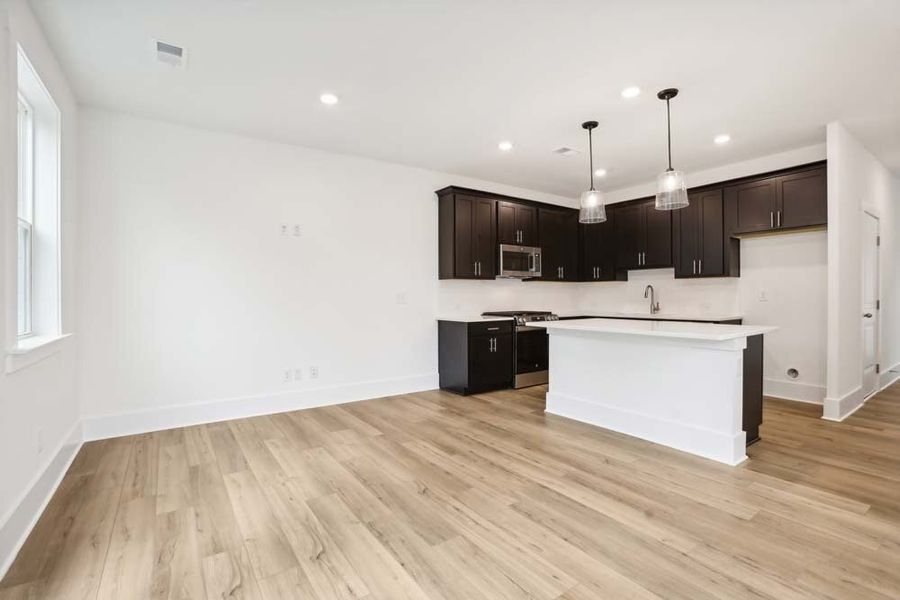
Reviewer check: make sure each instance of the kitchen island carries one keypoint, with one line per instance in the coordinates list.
(696, 387)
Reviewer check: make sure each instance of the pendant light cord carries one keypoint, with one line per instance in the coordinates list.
(591, 154)
(669, 128)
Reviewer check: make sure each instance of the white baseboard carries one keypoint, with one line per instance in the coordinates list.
(794, 390)
(21, 519)
(115, 425)
(889, 377)
(838, 409)
(728, 449)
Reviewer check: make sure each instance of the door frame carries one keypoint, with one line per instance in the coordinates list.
(862, 366)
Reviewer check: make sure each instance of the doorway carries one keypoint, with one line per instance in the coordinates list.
(870, 303)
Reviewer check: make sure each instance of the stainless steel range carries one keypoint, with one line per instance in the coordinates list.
(530, 347)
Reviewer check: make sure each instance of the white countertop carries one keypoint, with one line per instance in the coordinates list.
(669, 329)
(670, 316)
(471, 318)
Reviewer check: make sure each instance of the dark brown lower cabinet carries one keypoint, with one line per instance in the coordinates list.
(475, 357)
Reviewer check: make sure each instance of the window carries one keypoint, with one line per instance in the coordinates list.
(38, 312)
(26, 217)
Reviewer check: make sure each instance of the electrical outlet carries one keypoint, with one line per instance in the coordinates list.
(287, 375)
(763, 297)
(314, 372)
(284, 230)
(401, 298)
(296, 231)
(298, 374)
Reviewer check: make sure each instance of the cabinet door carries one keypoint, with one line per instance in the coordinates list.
(490, 360)
(464, 246)
(568, 245)
(803, 199)
(591, 250)
(629, 231)
(658, 237)
(686, 236)
(484, 237)
(712, 235)
(550, 232)
(507, 230)
(526, 223)
(753, 205)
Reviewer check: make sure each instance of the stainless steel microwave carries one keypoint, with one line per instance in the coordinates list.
(519, 262)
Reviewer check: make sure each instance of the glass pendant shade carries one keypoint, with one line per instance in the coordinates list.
(671, 191)
(593, 210)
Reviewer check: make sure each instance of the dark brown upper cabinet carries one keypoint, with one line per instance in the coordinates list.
(698, 233)
(558, 234)
(467, 236)
(516, 224)
(598, 252)
(643, 235)
(788, 201)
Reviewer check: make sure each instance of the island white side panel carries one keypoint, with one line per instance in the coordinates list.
(683, 394)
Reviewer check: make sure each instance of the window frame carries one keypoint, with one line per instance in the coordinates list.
(25, 218)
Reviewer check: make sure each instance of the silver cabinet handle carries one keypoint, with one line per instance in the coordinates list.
(771, 219)
(694, 266)
(779, 218)
(599, 272)
(639, 258)
(700, 266)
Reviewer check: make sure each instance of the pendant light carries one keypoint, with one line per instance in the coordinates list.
(592, 208)
(671, 192)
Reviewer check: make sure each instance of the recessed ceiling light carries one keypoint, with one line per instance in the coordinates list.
(722, 139)
(505, 146)
(600, 173)
(328, 98)
(631, 92)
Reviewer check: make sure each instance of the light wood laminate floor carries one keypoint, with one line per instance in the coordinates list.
(438, 496)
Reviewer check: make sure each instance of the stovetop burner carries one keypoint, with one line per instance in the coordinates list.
(523, 316)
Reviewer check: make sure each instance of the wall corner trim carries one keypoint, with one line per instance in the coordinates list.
(21, 519)
(838, 409)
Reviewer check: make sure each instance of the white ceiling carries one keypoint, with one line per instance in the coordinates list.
(437, 84)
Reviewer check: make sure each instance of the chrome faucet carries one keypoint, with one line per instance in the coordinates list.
(654, 305)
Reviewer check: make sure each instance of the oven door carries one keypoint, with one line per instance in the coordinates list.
(532, 356)
(519, 262)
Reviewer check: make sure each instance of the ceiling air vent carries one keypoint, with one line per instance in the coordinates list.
(567, 152)
(170, 54)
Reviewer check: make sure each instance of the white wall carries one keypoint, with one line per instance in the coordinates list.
(38, 405)
(191, 294)
(857, 181)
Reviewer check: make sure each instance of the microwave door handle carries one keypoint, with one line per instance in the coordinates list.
(531, 263)
(536, 258)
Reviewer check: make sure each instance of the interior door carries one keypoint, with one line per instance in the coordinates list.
(870, 304)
